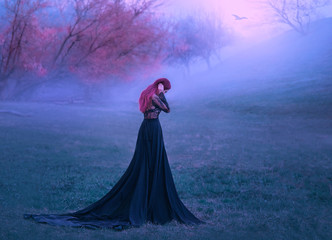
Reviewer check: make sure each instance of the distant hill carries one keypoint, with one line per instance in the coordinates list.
(284, 68)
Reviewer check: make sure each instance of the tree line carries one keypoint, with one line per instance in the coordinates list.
(96, 40)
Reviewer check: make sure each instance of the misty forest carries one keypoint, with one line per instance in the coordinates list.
(248, 137)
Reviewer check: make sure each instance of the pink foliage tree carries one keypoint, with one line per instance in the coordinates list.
(95, 40)
(101, 39)
(110, 38)
(20, 38)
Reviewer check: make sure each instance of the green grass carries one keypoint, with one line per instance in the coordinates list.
(252, 169)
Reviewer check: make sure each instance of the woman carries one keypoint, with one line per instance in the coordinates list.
(146, 191)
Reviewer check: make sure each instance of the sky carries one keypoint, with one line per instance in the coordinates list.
(248, 28)
(256, 27)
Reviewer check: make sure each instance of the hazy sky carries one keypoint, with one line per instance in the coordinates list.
(255, 27)
(225, 9)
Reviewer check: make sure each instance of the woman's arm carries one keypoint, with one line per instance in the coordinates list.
(160, 101)
(163, 98)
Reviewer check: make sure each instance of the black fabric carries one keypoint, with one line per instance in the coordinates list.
(145, 192)
(158, 104)
(163, 99)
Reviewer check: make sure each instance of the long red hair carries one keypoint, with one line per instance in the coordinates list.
(146, 95)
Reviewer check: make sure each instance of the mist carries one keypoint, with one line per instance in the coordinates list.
(259, 54)
(248, 135)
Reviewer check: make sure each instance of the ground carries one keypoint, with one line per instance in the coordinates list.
(251, 166)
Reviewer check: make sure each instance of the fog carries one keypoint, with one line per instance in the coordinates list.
(248, 136)
(259, 57)
(279, 62)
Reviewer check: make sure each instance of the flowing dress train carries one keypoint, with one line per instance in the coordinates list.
(145, 192)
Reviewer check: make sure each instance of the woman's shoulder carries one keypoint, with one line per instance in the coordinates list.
(155, 96)
(158, 95)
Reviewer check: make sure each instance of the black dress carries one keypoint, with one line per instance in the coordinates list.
(145, 192)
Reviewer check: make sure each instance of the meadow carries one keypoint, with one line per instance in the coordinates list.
(252, 165)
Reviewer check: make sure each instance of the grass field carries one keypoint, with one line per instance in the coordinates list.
(255, 166)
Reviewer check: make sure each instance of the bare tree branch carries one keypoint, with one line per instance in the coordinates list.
(297, 14)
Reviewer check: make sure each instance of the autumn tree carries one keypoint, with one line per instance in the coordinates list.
(297, 14)
(22, 41)
(106, 37)
(97, 39)
(197, 36)
(111, 38)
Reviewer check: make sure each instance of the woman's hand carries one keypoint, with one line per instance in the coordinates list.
(161, 88)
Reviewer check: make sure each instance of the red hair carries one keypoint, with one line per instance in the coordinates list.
(146, 95)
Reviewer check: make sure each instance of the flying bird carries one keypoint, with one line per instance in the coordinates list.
(239, 18)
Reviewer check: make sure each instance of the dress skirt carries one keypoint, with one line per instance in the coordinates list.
(145, 192)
